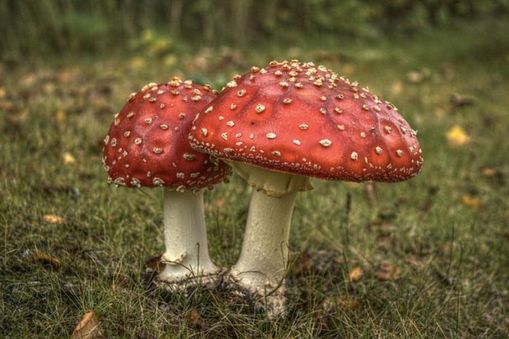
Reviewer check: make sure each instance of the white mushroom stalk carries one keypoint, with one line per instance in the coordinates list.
(186, 257)
(263, 262)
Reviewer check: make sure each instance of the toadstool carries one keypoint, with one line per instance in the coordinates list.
(147, 146)
(279, 125)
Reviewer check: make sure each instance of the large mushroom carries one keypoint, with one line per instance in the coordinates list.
(279, 125)
(147, 146)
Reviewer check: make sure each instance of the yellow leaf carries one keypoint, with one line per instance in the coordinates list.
(348, 69)
(470, 201)
(138, 63)
(68, 158)
(53, 219)
(60, 116)
(457, 136)
(397, 87)
(87, 328)
(356, 274)
(2, 92)
(47, 260)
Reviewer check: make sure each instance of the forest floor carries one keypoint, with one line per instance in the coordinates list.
(424, 258)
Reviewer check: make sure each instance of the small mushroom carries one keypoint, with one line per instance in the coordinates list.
(147, 146)
(325, 127)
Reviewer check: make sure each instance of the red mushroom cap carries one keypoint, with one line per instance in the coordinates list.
(304, 119)
(147, 142)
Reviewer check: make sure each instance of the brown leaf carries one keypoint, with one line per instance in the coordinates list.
(490, 171)
(345, 302)
(121, 281)
(459, 100)
(47, 260)
(53, 219)
(388, 271)
(88, 327)
(154, 263)
(415, 77)
(356, 274)
(348, 302)
(195, 318)
(304, 263)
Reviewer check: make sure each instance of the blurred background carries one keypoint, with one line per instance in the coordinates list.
(34, 29)
(423, 258)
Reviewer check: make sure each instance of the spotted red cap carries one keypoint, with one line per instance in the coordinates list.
(304, 119)
(147, 142)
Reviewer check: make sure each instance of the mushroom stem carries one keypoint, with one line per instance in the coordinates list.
(185, 235)
(262, 265)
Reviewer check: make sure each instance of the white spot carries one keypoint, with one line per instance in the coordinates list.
(325, 142)
(354, 156)
(296, 141)
(271, 135)
(260, 108)
(231, 84)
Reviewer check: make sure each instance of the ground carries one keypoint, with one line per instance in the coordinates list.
(423, 258)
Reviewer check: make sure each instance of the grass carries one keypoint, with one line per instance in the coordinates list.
(445, 233)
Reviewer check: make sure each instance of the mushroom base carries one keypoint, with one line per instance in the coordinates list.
(186, 257)
(272, 302)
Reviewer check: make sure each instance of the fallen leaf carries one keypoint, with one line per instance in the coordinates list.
(154, 264)
(121, 281)
(471, 201)
(397, 87)
(349, 302)
(388, 271)
(60, 116)
(218, 202)
(53, 219)
(68, 158)
(439, 112)
(459, 100)
(195, 318)
(457, 136)
(138, 63)
(345, 302)
(2, 92)
(347, 69)
(88, 327)
(415, 77)
(489, 171)
(356, 274)
(47, 260)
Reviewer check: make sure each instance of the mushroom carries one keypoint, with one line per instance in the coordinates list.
(147, 146)
(279, 125)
